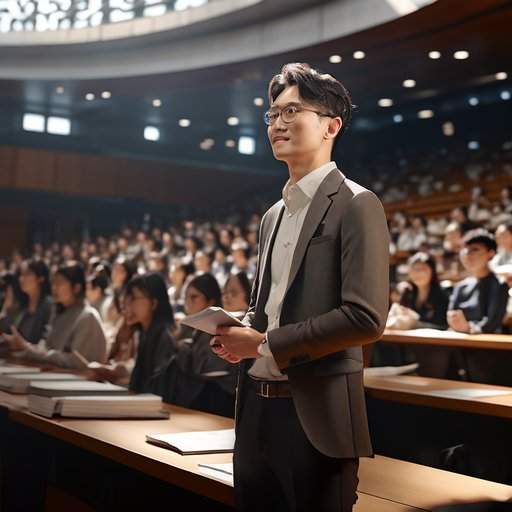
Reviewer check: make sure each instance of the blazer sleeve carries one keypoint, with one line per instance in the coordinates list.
(364, 289)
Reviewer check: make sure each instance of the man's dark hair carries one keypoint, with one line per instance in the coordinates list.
(319, 89)
(73, 272)
(482, 237)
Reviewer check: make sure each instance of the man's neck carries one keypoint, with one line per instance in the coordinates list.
(299, 169)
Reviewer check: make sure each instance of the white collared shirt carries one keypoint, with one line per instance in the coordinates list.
(297, 198)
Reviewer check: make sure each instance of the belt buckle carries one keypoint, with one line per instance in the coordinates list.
(265, 389)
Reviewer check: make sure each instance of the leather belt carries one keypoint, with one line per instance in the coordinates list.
(272, 388)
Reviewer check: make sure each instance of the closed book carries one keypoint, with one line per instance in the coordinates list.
(21, 382)
(128, 406)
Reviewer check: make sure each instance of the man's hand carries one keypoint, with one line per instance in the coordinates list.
(236, 343)
(457, 321)
(15, 340)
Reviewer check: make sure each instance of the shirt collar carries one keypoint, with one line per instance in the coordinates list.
(297, 195)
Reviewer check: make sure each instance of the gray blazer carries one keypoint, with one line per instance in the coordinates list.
(336, 301)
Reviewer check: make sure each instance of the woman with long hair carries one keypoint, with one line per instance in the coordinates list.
(148, 310)
(196, 378)
(75, 336)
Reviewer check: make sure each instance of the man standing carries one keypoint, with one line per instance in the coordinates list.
(320, 293)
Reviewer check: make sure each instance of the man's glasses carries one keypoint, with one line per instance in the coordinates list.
(289, 114)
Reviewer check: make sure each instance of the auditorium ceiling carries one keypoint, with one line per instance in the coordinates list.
(202, 114)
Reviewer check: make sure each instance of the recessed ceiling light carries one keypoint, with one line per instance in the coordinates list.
(473, 144)
(151, 133)
(232, 121)
(461, 55)
(184, 123)
(505, 95)
(106, 95)
(335, 59)
(246, 145)
(385, 102)
(207, 144)
(89, 96)
(501, 75)
(156, 103)
(425, 114)
(398, 118)
(58, 125)
(258, 102)
(409, 83)
(473, 101)
(59, 89)
(434, 55)
(359, 54)
(33, 122)
(448, 128)
(230, 143)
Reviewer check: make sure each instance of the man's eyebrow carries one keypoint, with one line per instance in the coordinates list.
(294, 103)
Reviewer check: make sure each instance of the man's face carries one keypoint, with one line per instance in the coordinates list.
(476, 257)
(302, 137)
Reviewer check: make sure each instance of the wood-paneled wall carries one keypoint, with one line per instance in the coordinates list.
(90, 175)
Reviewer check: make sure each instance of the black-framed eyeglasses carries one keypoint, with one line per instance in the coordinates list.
(289, 114)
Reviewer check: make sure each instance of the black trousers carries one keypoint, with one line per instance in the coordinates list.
(276, 468)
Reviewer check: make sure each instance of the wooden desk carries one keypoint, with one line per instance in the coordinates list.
(423, 487)
(386, 485)
(448, 339)
(415, 390)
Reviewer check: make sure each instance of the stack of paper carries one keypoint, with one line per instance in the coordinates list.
(190, 443)
(78, 388)
(129, 406)
(210, 318)
(7, 370)
(383, 371)
(21, 382)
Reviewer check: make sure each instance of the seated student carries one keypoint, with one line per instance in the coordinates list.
(97, 287)
(122, 272)
(147, 308)
(14, 300)
(237, 293)
(75, 335)
(33, 321)
(425, 297)
(423, 294)
(196, 378)
(121, 357)
(478, 305)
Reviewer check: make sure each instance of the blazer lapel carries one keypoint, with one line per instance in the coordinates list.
(317, 209)
(265, 280)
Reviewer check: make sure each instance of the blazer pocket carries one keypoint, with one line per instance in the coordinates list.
(320, 239)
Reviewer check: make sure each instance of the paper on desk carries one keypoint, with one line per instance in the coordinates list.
(210, 318)
(383, 371)
(188, 443)
(468, 392)
(434, 333)
(222, 472)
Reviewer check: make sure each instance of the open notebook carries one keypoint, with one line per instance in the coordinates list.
(192, 443)
(210, 318)
(129, 406)
(78, 388)
(21, 382)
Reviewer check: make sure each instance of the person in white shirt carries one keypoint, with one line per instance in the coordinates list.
(320, 293)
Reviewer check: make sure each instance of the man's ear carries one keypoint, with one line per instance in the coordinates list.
(333, 128)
